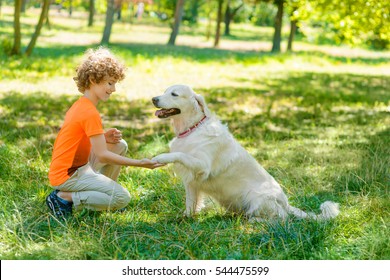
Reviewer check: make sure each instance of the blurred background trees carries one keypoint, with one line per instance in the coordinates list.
(354, 22)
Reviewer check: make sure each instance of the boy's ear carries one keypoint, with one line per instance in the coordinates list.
(91, 81)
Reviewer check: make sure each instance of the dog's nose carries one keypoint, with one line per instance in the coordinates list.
(155, 101)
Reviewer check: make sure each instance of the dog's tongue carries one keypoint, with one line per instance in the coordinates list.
(158, 113)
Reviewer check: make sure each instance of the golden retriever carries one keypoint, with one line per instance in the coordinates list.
(211, 162)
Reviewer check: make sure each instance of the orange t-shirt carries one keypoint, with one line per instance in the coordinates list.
(72, 146)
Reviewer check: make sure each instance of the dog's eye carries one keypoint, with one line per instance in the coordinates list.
(174, 94)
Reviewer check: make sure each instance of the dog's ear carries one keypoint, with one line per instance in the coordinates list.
(202, 104)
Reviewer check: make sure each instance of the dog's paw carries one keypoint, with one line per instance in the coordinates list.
(189, 213)
(164, 158)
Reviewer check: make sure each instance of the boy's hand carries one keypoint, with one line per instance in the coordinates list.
(113, 136)
(151, 164)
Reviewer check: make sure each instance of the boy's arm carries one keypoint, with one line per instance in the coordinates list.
(99, 148)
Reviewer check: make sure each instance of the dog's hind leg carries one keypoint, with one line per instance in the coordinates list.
(267, 208)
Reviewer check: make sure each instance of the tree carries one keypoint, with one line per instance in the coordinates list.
(177, 21)
(219, 20)
(278, 23)
(109, 22)
(209, 9)
(43, 16)
(277, 38)
(230, 13)
(24, 4)
(70, 12)
(293, 30)
(91, 12)
(297, 11)
(16, 49)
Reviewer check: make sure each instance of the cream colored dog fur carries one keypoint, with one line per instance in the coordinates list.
(211, 162)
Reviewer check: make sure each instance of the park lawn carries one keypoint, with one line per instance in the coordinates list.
(316, 120)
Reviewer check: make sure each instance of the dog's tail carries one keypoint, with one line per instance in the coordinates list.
(329, 210)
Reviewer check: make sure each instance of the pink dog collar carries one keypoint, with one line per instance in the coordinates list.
(192, 128)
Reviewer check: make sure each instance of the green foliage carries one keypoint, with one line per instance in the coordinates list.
(5, 45)
(355, 21)
(166, 7)
(263, 14)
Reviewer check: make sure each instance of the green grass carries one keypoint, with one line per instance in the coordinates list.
(318, 122)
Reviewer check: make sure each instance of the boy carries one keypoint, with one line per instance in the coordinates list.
(86, 161)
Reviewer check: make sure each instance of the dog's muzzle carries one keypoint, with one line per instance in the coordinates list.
(164, 113)
(155, 101)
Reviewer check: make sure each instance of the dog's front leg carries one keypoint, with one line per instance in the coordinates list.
(200, 168)
(194, 200)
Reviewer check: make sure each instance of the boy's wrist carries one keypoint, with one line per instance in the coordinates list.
(136, 163)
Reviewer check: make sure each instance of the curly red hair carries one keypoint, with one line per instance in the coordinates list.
(98, 65)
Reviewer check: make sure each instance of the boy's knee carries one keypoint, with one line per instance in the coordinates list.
(119, 148)
(121, 198)
(122, 147)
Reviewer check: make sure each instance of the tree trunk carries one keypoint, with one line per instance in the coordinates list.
(109, 22)
(219, 19)
(17, 34)
(47, 23)
(70, 8)
(23, 9)
(176, 25)
(118, 9)
(208, 30)
(131, 12)
(91, 12)
(228, 18)
(278, 26)
(229, 15)
(44, 13)
(293, 30)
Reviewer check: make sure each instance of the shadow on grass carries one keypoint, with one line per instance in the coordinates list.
(124, 237)
(237, 34)
(312, 88)
(299, 105)
(346, 59)
(371, 177)
(46, 60)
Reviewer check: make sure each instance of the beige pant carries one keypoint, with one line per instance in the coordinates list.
(94, 185)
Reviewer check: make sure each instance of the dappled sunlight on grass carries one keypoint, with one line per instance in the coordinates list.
(318, 120)
(317, 152)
